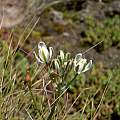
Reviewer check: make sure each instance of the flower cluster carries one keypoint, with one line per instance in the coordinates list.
(79, 63)
(62, 70)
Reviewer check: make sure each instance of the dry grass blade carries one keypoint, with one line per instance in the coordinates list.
(100, 103)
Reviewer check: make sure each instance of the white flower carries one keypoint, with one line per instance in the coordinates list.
(80, 64)
(56, 64)
(62, 55)
(88, 66)
(44, 53)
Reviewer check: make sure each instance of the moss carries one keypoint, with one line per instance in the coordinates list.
(107, 31)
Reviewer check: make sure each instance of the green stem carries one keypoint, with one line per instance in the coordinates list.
(69, 83)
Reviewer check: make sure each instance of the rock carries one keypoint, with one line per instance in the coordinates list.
(112, 8)
(91, 10)
(12, 12)
(57, 17)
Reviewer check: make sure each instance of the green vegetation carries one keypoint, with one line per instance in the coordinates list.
(99, 92)
(107, 31)
(93, 94)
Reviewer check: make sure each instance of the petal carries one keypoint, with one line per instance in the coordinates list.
(45, 55)
(38, 59)
(79, 65)
(80, 68)
(50, 52)
(57, 66)
(41, 44)
(67, 56)
(43, 52)
(83, 61)
(88, 66)
(62, 55)
(78, 58)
